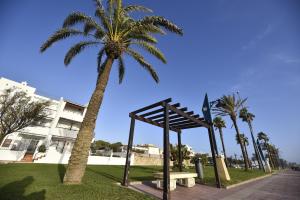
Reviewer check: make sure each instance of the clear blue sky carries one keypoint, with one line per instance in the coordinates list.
(249, 46)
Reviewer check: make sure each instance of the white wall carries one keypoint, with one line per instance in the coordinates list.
(11, 155)
(53, 156)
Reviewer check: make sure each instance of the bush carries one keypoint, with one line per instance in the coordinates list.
(42, 148)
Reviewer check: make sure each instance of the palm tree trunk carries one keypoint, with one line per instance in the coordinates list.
(221, 136)
(246, 152)
(241, 144)
(255, 147)
(80, 151)
(270, 157)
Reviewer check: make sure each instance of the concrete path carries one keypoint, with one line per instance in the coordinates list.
(284, 185)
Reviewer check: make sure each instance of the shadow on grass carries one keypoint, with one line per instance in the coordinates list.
(16, 190)
(61, 171)
(106, 175)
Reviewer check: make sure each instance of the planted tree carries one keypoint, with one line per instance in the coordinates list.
(219, 123)
(186, 154)
(245, 142)
(18, 111)
(248, 118)
(115, 33)
(264, 137)
(229, 106)
(203, 158)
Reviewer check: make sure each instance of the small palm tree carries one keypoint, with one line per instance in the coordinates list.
(263, 136)
(245, 142)
(115, 33)
(219, 123)
(248, 117)
(229, 106)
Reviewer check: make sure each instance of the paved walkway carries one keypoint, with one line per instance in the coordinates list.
(285, 185)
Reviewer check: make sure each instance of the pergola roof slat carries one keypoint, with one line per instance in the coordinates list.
(203, 123)
(170, 113)
(152, 106)
(158, 110)
(174, 117)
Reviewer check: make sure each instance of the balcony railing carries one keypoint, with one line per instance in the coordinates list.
(62, 132)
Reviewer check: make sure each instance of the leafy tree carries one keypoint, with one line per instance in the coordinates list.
(115, 33)
(219, 123)
(116, 146)
(203, 158)
(18, 111)
(229, 106)
(248, 117)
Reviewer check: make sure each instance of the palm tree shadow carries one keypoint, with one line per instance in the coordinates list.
(106, 175)
(61, 171)
(15, 190)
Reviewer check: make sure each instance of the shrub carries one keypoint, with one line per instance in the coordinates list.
(42, 148)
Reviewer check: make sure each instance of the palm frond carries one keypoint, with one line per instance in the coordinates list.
(152, 50)
(121, 69)
(140, 59)
(161, 21)
(100, 13)
(143, 37)
(76, 49)
(60, 35)
(77, 17)
(132, 8)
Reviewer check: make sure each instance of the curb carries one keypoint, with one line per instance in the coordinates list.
(247, 181)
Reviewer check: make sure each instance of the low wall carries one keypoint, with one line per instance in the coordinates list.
(146, 160)
(63, 158)
(11, 155)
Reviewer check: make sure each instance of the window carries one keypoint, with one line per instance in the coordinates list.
(6, 142)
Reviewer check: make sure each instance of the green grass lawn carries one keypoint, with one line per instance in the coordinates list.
(44, 181)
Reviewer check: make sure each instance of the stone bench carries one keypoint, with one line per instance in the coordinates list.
(184, 178)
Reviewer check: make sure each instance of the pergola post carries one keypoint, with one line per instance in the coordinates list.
(128, 155)
(166, 182)
(179, 151)
(214, 140)
(210, 134)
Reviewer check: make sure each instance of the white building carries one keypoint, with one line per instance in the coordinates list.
(57, 132)
(150, 149)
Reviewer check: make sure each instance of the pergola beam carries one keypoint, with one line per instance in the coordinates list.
(149, 121)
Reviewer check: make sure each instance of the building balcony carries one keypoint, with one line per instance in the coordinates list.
(65, 133)
(72, 116)
(36, 130)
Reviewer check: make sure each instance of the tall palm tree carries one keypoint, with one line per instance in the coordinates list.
(115, 34)
(245, 142)
(219, 123)
(229, 106)
(263, 136)
(248, 117)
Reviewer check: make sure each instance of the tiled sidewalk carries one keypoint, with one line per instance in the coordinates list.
(285, 185)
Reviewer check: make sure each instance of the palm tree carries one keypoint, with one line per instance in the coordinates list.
(115, 33)
(248, 117)
(263, 136)
(229, 106)
(245, 142)
(219, 123)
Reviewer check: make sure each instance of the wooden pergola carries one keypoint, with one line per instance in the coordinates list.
(172, 117)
